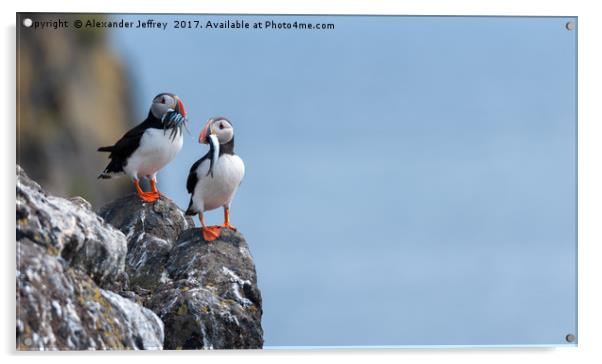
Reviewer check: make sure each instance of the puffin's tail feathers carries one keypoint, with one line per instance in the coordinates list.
(106, 149)
(113, 169)
(110, 174)
(190, 211)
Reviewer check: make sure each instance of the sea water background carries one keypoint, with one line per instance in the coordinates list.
(410, 180)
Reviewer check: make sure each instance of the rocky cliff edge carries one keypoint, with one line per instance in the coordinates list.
(132, 276)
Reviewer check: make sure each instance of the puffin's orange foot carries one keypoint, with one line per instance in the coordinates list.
(228, 226)
(149, 196)
(211, 233)
(154, 196)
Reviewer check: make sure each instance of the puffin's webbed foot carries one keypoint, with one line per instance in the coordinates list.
(146, 196)
(150, 196)
(211, 233)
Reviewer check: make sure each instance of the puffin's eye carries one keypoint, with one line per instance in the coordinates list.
(221, 125)
(163, 100)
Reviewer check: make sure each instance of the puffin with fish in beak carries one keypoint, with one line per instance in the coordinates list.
(214, 179)
(150, 146)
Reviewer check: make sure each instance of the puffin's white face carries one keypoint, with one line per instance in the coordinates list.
(165, 102)
(220, 127)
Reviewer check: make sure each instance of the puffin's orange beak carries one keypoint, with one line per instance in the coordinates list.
(204, 132)
(181, 108)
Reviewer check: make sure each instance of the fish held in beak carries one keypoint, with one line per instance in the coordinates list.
(213, 151)
(173, 121)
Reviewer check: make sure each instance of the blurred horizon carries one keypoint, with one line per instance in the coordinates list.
(409, 180)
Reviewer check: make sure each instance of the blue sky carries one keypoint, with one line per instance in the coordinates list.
(410, 180)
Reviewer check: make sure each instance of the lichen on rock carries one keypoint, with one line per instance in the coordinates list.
(62, 308)
(205, 292)
(69, 230)
(151, 230)
(212, 301)
(66, 255)
(139, 276)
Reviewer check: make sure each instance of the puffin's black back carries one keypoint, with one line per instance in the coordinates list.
(125, 147)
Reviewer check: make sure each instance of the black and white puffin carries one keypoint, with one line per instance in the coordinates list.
(214, 179)
(149, 146)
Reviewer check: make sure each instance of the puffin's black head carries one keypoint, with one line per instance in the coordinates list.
(218, 126)
(166, 102)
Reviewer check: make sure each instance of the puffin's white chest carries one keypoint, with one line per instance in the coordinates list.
(213, 192)
(156, 149)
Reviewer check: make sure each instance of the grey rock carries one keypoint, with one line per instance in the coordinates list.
(61, 308)
(141, 323)
(212, 301)
(69, 230)
(151, 230)
(82, 283)
(78, 200)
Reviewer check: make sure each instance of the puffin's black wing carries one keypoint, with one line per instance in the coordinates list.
(125, 146)
(192, 179)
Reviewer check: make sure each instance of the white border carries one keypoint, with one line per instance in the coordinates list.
(590, 175)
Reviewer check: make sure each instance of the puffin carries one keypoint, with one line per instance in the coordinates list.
(214, 179)
(149, 146)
